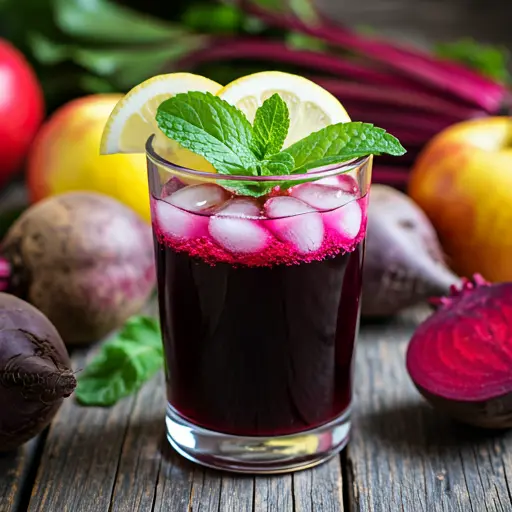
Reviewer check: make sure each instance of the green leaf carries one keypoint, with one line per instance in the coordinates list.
(271, 125)
(491, 61)
(305, 11)
(46, 51)
(299, 41)
(248, 188)
(124, 363)
(279, 164)
(341, 142)
(213, 18)
(107, 22)
(276, 165)
(128, 67)
(211, 127)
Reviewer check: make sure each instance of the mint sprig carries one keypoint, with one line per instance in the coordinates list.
(123, 364)
(211, 127)
(271, 125)
(340, 142)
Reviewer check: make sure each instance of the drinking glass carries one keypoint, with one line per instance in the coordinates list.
(259, 304)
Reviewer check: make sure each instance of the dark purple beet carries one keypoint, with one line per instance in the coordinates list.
(35, 373)
(84, 259)
(404, 264)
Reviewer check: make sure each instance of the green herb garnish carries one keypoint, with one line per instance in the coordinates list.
(124, 363)
(211, 127)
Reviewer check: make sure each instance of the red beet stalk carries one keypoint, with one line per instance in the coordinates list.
(272, 51)
(416, 121)
(5, 273)
(390, 175)
(397, 98)
(445, 77)
(369, 85)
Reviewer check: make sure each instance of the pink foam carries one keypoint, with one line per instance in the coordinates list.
(276, 252)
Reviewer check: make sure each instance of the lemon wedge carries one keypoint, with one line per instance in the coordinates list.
(311, 106)
(132, 121)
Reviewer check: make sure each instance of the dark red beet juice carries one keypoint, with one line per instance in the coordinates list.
(259, 305)
(259, 351)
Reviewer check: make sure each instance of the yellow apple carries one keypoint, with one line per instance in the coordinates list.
(66, 156)
(463, 181)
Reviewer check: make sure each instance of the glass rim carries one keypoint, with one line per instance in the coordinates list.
(320, 172)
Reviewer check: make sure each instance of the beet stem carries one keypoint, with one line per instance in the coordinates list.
(5, 274)
(449, 77)
(366, 86)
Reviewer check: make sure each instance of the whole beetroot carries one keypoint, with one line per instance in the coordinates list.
(82, 258)
(35, 372)
(404, 262)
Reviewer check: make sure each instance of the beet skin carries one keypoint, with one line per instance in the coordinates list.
(84, 259)
(404, 263)
(35, 372)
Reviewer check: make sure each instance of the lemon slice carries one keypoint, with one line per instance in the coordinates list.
(311, 106)
(132, 121)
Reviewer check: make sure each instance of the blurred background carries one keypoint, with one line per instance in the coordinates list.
(422, 69)
(413, 67)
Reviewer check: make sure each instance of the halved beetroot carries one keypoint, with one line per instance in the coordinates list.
(460, 358)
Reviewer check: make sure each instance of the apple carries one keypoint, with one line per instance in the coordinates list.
(21, 109)
(65, 156)
(463, 181)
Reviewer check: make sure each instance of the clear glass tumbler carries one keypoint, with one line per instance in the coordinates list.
(259, 307)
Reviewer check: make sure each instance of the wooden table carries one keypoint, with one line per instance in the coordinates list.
(402, 457)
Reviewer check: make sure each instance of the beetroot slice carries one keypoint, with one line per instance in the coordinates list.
(464, 351)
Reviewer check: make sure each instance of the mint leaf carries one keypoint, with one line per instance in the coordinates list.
(124, 363)
(271, 125)
(279, 164)
(341, 142)
(211, 127)
(249, 188)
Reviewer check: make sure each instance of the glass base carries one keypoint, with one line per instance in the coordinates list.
(240, 454)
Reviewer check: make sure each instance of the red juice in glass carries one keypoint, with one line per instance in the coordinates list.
(259, 308)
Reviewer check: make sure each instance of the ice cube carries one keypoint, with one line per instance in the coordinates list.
(177, 224)
(239, 236)
(346, 221)
(199, 198)
(173, 185)
(240, 207)
(295, 223)
(321, 197)
(344, 182)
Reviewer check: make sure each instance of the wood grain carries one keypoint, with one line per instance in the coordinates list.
(81, 456)
(319, 488)
(16, 474)
(273, 494)
(118, 460)
(405, 456)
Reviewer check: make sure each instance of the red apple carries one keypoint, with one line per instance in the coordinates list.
(21, 109)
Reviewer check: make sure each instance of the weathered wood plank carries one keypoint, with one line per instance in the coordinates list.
(405, 456)
(319, 488)
(81, 456)
(237, 494)
(273, 494)
(16, 474)
(141, 460)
